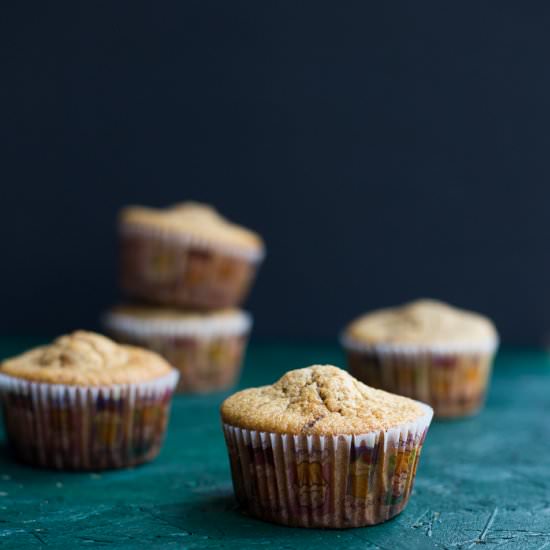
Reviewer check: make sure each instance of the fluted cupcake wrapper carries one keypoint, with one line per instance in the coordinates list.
(452, 379)
(78, 428)
(188, 239)
(182, 270)
(207, 353)
(326, 481)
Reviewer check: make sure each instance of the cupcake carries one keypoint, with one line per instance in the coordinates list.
(426, 350)
(320, 449)
(186, 256)
(206, 348)
(86, 403)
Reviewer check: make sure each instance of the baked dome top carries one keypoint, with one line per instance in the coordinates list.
(86, 359)
(320, 400)
(194, 220)
(422, 323)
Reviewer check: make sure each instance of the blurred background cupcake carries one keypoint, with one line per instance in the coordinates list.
(427, 350)
(190, 268)
(187, 255)
(206, 347)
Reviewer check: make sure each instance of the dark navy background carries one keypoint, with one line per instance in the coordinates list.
(385, 150)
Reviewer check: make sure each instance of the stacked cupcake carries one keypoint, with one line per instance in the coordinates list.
(189, 269)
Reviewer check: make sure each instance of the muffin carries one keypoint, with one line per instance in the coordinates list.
(86, 403)
(186, 256)
(426, 350)
(206, 348)
(320, 449)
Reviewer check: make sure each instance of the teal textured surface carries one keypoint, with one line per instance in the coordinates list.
(484, 480)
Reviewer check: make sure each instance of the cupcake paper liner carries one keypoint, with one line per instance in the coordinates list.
(186, 239)
(181, 270)
(208, 353)
(78, 428)
(326, 481)
(452, 379)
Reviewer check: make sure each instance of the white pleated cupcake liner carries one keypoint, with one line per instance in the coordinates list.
(212, 326)
(453, 379)
(326, 481)
(410, 349)
(86, 428)
(186, 239)
(208, 355)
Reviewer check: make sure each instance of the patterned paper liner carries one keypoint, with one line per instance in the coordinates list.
(326, 481)
(208, 352)
(77, 428)
(184, 271)
(453, 379)
(187, 239)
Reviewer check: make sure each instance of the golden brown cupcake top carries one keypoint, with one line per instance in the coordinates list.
(193, 220)
(422, 323)
(320, 400)
(86, 359)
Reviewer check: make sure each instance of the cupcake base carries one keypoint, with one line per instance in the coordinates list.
(205, 364)
(73, 428)
(454, 384)
(325, 481)
(168, 270)
(208, 352)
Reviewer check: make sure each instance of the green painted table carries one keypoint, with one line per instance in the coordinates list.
(482, 481)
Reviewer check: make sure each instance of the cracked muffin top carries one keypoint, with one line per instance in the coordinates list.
(194, 220)
(86, 359)
(320, 400)
(422, 323)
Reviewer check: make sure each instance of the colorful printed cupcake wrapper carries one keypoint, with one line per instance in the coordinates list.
(208, 362)
(159, 269)
(186, 239)
(453, 382)
(325, 481)
(71, 427)
(207, 365)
